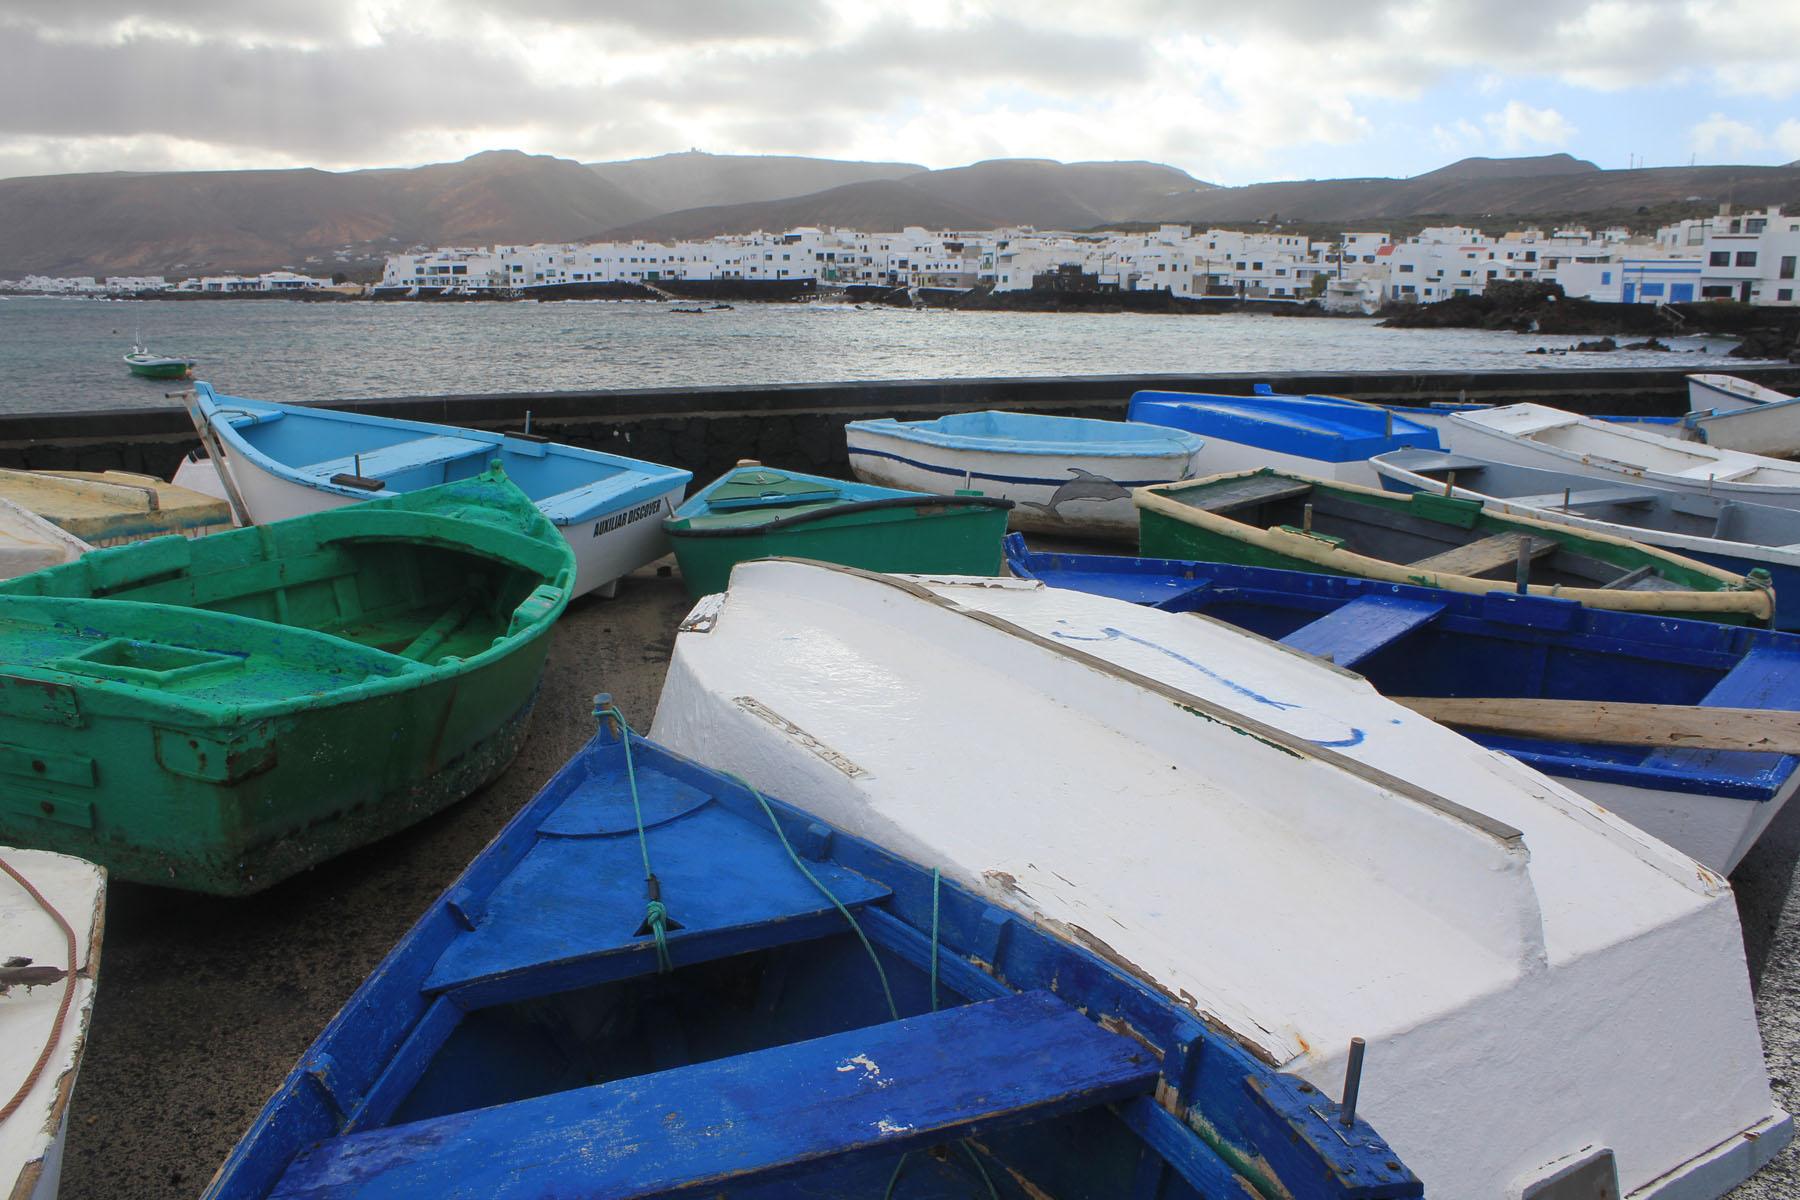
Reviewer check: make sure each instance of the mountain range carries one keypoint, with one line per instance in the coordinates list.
(181, 224)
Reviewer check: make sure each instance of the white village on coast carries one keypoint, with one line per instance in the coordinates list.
(1747, 256)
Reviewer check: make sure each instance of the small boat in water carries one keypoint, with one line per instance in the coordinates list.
(1686, 729)
(1737, 535)
(1533, 435)
(30, 543)
(659, 981)
(286, 460)
(753, 511)
(1728, 393)
(52, 909)
(1274, 519)
(150, 365)
(215, 714)
(111, 508)
(1327, 437)
(1297, 859)
(1067, 475)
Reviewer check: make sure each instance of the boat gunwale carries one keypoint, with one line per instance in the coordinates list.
(1163, 441)
(953, 506)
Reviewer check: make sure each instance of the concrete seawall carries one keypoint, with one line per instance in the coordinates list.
(801, 425)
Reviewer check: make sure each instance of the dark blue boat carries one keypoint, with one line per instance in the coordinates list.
(656, 981)
(1427, 642)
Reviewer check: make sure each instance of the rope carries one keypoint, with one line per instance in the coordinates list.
(62, 1010)
(656, 913)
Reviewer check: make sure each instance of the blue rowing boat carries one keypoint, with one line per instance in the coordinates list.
(1426, 642)
(657, 980)
(1327, 437)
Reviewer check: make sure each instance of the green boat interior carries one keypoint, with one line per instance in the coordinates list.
(1446, 535)
(303, 607)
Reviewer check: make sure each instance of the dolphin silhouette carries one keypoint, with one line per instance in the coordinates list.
(1084, 486)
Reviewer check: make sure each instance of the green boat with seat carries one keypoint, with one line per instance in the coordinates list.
(753, 511)
(216, 714)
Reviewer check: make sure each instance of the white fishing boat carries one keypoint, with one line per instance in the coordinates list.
(1546, 993)
(1725, 393)
(50, 942)
(286, 460)
(30, 543)
(1064, 475)
(1532, 435)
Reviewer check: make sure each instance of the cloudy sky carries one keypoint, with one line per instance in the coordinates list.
(1232, 91)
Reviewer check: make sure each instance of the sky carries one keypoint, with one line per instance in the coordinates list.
(1231, 91)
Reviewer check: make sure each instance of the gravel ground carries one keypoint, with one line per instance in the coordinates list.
(205, 1004)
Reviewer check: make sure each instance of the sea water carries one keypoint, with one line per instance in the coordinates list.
(61, 354)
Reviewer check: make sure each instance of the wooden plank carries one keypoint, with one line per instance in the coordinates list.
(1489, 554)
(1763, 679)
(758, 1116)
(1352, 632)
(1687, 726)
(1258, 489)
(1570, 499)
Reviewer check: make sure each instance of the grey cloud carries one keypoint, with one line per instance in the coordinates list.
(273, 20)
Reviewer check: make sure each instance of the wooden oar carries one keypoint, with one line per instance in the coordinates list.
(1678, 726)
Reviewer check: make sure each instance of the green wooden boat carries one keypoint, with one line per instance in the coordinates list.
(1271, 518)
(755, 511)
(218, 713)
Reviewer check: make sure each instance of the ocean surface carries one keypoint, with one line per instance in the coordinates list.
(61, 354)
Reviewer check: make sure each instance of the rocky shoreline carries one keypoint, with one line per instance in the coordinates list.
(1524, 306)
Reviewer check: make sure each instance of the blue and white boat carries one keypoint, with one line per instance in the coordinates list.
(1542, 989)
(658, 981)
(1739, 535)
(1728, 393)
(1327, 437)
(286, 460)
(1417, 642)
(1066, 475)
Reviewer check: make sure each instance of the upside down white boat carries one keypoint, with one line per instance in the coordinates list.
(1547, 994)
(51, 943)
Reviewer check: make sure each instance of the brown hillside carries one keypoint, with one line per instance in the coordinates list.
(697, 180)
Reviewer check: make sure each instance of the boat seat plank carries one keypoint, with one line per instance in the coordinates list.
(1595, 497)
(1354, 631)
(1258, 489)
(410, 455)
(752, 1118)
(573, 908)
(1765, 678)
(1487, 554)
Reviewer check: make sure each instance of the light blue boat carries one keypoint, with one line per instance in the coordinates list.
(1326, 437)
(1067, 475)
(286, 460)
(657, 981)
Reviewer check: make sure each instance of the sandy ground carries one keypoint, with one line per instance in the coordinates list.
(204, 1005)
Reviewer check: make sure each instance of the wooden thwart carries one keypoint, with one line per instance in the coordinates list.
(1694, 727)
(1258, 489)
(1489, 554)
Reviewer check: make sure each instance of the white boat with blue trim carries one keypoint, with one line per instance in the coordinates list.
(1327, 437)
(1068, 475)
(287, 460)
(1728, 393)
(1545, 992)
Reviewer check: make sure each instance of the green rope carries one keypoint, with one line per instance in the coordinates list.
(656, 914)
(893, 1009)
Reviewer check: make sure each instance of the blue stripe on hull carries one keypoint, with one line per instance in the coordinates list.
(953, 473)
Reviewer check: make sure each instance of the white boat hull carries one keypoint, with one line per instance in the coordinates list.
(605, 550)
(30, 543)
(1728, 393)
(1771, 429)
(1271, 840)
(1223, 457)
(31, 1140)
(1081, 495)
(1530, 435)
